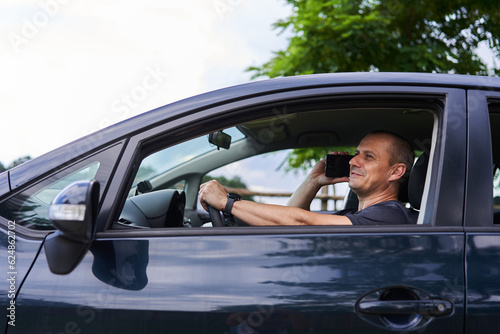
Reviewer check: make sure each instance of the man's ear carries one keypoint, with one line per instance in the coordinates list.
(398, 170)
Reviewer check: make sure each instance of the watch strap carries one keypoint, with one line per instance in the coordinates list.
(231, 198)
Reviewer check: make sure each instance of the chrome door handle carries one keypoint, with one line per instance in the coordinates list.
(429, 307)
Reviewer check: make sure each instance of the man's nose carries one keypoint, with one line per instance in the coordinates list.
(354, 161)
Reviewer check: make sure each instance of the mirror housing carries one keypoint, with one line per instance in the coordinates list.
(73, 212)
(220, 139)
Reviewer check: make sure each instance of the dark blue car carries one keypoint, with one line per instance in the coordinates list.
(106, 234)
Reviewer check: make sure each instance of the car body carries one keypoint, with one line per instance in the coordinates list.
(141, 258)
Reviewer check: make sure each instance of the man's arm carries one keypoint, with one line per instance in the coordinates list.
(259, 214)
(305, 193)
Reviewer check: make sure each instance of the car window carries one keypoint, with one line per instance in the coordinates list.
(154, 167)
(30, 208)
(266, 178)
(496, 189)
(34, 211)
(495, 143)
(255, 159)
(159, 163)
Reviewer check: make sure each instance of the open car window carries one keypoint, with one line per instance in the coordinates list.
(495, 141)
(170, 177)
(268, 178)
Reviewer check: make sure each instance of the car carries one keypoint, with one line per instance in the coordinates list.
(106, 234)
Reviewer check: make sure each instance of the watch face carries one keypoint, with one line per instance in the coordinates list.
(234, 196)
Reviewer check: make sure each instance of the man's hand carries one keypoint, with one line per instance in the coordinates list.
(214, 194)
(317, 175)
(304, 195)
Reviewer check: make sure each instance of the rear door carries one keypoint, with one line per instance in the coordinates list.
(272, 280)
(482, 217)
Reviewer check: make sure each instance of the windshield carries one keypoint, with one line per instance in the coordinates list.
(163, 161)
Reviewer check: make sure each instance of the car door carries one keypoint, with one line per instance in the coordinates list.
(269, 279)
(482, 215)
(24, 221)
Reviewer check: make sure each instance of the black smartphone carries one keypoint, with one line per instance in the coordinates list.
(337, 165)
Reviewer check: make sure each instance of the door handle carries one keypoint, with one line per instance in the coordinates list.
(402, 308)
(430, 307)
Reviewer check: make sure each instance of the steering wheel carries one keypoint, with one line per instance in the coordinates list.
(215, 216)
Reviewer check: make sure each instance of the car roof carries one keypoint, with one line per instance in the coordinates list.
(34, 168)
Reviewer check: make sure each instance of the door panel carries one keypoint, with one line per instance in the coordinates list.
(18, 256)
(220, 284)
(483, 282)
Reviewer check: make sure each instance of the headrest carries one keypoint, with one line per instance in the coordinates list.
(416, 181)
(403, 192)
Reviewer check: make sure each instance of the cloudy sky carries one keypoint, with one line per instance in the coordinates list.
(70, 67)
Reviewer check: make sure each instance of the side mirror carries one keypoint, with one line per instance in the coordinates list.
(73, 212)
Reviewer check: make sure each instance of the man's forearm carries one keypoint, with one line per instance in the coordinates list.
(304, 195)
(259, 214)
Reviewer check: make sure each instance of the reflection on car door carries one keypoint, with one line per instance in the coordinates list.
(216, 284)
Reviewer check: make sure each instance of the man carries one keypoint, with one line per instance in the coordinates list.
(381, 163)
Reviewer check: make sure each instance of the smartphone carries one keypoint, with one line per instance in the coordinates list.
(337, 165)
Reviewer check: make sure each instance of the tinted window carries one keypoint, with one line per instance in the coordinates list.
(495, 144)
(30, 207)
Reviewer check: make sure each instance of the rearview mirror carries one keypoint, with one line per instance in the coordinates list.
(73, 212)
(220, 139)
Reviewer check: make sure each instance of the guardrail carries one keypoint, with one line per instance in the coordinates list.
(323, 195)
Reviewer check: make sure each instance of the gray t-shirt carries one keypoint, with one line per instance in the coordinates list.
(383, 213)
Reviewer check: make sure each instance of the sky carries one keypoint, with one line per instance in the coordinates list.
(71, 67)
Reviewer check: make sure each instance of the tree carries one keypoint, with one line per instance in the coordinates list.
(19, 161)
(14, 163)
(305, 158)
(385, 35)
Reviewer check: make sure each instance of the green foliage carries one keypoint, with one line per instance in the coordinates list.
(386, 35)
(19, 161)
(305, 158)
(14, 163)
(235, 182)
(382, 35)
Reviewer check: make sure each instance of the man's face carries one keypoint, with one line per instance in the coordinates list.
(370, 168)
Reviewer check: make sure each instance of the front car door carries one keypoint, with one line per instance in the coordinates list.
(242, 279)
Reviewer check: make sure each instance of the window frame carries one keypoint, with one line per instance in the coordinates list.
(172, 131)
(479, 195)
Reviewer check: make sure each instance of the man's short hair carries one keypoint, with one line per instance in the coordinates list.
(401, 151)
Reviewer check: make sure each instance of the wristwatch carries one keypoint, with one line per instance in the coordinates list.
(231, 198)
